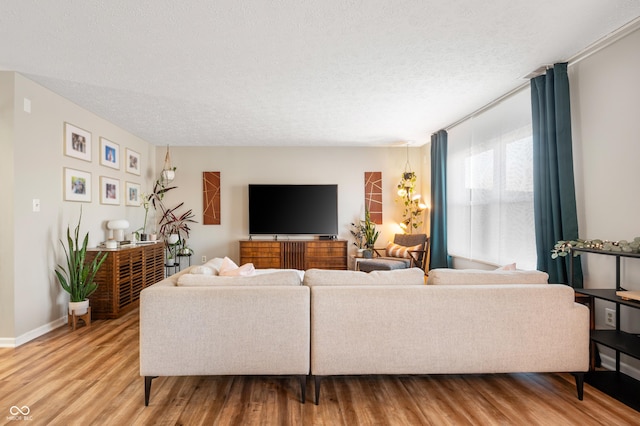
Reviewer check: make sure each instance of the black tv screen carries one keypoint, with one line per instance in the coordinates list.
(293, 209)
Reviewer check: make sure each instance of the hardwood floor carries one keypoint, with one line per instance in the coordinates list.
(91, 377)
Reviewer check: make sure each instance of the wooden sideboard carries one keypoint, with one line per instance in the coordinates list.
(294, 254)
(123, 275)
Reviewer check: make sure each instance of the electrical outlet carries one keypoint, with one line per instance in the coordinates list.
(610, 317)
(204, 259)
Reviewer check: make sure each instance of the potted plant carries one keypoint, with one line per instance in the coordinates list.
(78, 278)
(154, 198)
(366, 235)
(358, 235)
(171, 223)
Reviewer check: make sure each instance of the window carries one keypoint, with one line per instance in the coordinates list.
(490, 185)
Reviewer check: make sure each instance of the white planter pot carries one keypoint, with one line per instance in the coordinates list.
(80, 308)
(173, 238)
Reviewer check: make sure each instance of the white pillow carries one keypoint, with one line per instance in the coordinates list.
(203, 270)
(215, 264)
(230, 269)
(509, 267)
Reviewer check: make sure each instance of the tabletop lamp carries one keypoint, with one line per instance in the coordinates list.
(116, 229)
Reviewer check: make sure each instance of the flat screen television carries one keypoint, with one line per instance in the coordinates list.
(293, 209)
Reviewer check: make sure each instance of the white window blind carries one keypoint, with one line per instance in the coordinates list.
(490, 185)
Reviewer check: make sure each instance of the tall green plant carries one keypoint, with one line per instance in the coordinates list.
(370, 233)
(78, 277)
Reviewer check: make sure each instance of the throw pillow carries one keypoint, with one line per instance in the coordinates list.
(203, 270)
(509, 267)
(230, 269)
(215, 264)
(396, 250)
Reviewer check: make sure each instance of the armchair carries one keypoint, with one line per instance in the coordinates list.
(406, 251)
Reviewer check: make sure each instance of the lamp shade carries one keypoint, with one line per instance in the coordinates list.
(118, 224)
(117, 227)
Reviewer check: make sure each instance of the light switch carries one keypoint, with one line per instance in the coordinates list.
(27, 105)
(36, 205)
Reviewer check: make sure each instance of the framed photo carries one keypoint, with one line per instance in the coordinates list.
(109, 190)
(132, 162)
(77, 185)
(77, 142)
(132, 194)
(109, 154)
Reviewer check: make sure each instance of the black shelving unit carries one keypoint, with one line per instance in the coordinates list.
(624, 388)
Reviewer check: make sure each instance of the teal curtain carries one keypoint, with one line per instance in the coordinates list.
(554, 197)
(438, 238)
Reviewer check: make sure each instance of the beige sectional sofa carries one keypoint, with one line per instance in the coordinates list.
(225, 326)
(372, 325)
(352, 323)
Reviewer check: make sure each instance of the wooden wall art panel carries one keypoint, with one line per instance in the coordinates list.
(373, 195)
(211, 198)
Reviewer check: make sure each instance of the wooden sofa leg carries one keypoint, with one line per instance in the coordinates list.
(147, 389)
(579, 384)
(317, 389)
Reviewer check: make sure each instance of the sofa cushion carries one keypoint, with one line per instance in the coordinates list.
(277, 278)
(323, 277)
(444, 276)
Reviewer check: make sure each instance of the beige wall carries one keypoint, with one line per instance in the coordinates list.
(32, 301)
(605, 102)
(7, 307)
(241, 166)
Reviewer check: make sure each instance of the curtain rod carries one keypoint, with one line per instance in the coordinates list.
(600, 44)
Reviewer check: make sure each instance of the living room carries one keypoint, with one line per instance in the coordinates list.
(605, 97)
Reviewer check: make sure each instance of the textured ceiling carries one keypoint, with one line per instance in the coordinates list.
(293, 72)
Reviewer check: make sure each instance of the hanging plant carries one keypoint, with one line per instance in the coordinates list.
(412, 214)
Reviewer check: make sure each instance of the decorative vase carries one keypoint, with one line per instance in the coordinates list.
(367, 254)
(79, 308)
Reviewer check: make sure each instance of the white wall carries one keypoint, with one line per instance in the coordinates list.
(605, 102)
(240, 166)
(31, 247)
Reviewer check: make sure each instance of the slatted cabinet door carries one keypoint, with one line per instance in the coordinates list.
(123, 275)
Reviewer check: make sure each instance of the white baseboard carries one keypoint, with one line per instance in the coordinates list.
(609, 363)
(8, 342)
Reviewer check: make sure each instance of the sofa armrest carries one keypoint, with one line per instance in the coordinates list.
(224, 330)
